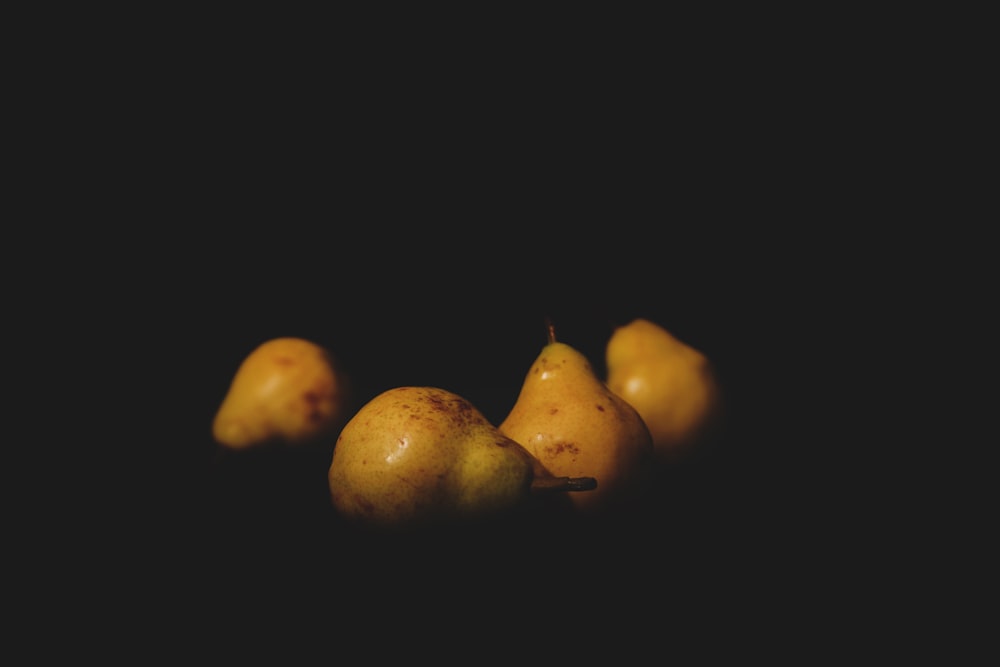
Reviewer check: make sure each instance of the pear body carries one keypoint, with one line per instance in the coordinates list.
(671, 384)
(568, 419)
(414, 456)
(287, 391)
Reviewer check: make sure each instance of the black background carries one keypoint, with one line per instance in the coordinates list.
(418, 193)
(438, 267)
(422, 224)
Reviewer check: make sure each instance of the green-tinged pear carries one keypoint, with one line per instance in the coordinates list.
(415, 456)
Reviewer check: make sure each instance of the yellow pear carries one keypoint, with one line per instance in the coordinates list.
(289, 391)
(416, 456)
(575, 426)
(670, 383)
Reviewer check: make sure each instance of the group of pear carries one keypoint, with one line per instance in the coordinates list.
(415, 455)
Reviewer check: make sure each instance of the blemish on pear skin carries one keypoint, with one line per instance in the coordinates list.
(284, 361)
(435, 402)
(553, 411)
(562, 448)
(458, 411)
(600, 407)
(463, 413)
(365, 505)
(312, 400)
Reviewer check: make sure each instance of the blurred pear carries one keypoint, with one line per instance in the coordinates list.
(288, 391)
(671, 384)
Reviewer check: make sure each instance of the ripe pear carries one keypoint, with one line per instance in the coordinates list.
(416, 456)
(576, 426)
(671, 384)
(289, 391)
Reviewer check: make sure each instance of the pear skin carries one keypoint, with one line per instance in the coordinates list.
(418, 456)
(576, 426)
(288, 391)
(671, 384)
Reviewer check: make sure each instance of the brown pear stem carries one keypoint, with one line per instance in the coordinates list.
(550, 327)
(547, 483)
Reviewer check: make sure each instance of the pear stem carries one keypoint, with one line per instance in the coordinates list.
(550, 327)
(547, 483)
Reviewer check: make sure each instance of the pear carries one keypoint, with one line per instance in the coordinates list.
(576, 426)
(672, 385)
(288, 391)
(417, 456)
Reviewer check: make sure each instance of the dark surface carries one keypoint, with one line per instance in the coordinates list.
(419, 207)
(242, 528)
(427, 247)
(447, 282)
